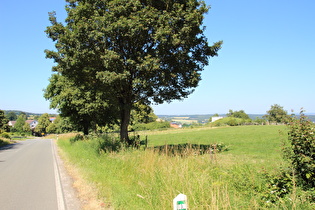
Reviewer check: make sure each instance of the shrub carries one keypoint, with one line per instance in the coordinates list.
(190, 149)
(151, 126)
(107, 143)
(278, 185)
(77, 137)
(301, 151)
(3, 142)
(231, 121)
(5, 135)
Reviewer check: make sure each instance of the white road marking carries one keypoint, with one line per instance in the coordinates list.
(60, 197)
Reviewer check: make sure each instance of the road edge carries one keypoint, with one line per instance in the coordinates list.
(59, 191)
(70, 195)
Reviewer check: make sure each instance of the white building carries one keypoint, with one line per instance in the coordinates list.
(215, 118)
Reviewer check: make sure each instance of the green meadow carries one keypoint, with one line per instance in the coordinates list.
(145, 179)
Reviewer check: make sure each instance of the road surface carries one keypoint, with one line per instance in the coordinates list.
(30, 177)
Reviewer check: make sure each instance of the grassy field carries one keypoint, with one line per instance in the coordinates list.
(254, 143)
(138, 179)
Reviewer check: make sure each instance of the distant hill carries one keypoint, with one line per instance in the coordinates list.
(18, 112)
(311, 117)
(198, 118)
(201, 118)
(206, 117)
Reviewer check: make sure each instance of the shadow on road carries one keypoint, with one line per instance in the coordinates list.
(10, 146)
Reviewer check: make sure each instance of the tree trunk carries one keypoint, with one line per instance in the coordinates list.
(86, 127)
(86, 130)
(124, 123)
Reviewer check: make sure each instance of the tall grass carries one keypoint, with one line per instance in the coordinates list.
(143, 179)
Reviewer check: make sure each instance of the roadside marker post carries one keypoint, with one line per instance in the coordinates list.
(180, 202)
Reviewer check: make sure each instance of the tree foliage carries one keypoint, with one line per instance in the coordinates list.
(276, 114)
(84, 104)
(3, 122)
(20, 123)
(43, 123)
(120, 52)
(11, 116)
(26, 128)
(142, 114)
(52, 128)
(60, 125)
(231, 121)
(238, 114)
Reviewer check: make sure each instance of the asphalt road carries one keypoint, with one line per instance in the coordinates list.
(30, 177)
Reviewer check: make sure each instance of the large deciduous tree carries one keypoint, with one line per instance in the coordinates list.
(43, 123)
(129, 51)
(3, 122)
(83, 104)
(238, 114)
(276, 114)
(11, 116)
(20, 123)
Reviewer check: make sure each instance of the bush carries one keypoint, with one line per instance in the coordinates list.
(5, 135)
(108, 143)
(278, 185)
(151, 126)
(301, 151)
(190, 149)
(101, 143)
(3, 142)
(299, 181)
(76, 138)
(231, 121)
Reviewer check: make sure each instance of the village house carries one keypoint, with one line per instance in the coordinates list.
(12, 123)
(32, 123)
(176, 125)
(216, 118)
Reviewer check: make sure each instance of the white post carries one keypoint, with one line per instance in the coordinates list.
(180, 202)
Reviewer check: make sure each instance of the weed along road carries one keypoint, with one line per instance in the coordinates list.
(30, 176)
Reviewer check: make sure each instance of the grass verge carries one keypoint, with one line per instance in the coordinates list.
(143, 179)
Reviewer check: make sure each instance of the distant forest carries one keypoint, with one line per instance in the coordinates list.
(199, 118)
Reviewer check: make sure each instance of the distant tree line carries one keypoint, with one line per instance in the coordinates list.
(275, 115)
(44, 126)
(142, 118)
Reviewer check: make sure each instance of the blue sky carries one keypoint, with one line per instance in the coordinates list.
(267, 57)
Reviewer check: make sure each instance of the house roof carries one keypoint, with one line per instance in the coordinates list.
(52, 118)
(12, 123)
(30, 121)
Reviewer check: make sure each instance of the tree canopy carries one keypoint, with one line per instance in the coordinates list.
(276, 114)
(117, 53)
(3, 122)
(11, 116)
(238, 114)
(84, 104)
(20, 124)
(43, 123)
